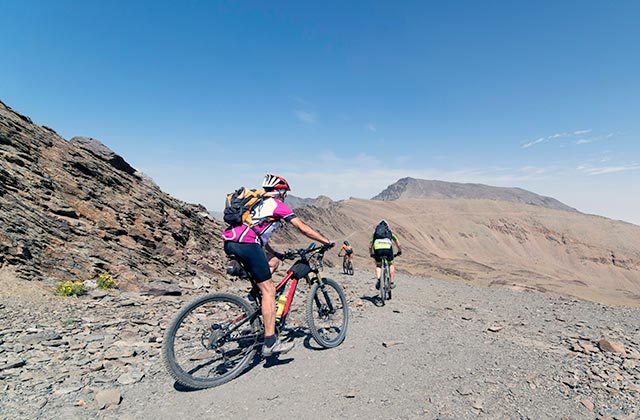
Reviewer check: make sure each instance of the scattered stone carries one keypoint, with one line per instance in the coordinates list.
(98, 294)
(40, 337)
(130, 377)
(587, 404)
(495, 328)
(118, 352)
(611, 346)
(391, 343)
(13, 364)
(590, 348)
(464, 391)
(629, 364)
(107, 397)
(162, 288)
(478, 404)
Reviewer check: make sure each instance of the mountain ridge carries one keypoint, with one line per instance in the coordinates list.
(408, 187)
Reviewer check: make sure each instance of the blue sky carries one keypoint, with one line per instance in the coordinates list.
(342, 98)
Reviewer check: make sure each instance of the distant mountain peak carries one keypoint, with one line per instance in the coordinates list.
(408, 187)
(297, 202)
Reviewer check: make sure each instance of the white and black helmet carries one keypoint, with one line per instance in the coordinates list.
(275, 182)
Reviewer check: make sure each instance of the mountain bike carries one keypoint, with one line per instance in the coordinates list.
(347, 266)
(215, 337)
(385, 280)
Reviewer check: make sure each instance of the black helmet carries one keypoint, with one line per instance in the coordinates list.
(346, 242)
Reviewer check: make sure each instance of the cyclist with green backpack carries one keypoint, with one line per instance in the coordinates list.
(381, 246)
(253, 216)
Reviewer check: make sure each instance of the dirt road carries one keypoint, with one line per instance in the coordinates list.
(428, 353)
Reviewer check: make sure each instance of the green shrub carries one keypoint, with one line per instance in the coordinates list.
(71, 288)
(106, 281)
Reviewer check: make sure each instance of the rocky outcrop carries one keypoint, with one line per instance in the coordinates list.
(297, 202)
(71, 209)
(422, 188)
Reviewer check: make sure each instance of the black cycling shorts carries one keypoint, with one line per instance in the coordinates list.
(379, 253)
(253, 258)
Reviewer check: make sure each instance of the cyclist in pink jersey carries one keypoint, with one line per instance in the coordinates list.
(251, 245)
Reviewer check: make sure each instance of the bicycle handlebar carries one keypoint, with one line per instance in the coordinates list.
(312, 248)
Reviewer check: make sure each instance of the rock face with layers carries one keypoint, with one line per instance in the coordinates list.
(71, 209)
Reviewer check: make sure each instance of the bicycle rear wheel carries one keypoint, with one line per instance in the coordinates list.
(327, 313)
(350, 268)
(211, 340)
(383, 282)
(388, 282)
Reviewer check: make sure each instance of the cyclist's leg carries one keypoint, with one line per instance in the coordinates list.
(255, 260)
(274, 262)
(268, 290)
(391, 267)
(378, 260)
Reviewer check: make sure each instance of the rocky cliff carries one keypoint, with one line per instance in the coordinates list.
(71, 209)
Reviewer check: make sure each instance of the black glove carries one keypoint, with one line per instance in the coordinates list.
(372, 255)
(398, 253)
(279, 255)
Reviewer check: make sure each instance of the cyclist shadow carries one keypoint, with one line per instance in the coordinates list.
(271, 361)
(375, 300)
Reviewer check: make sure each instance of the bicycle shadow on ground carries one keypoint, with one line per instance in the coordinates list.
(375, 300)
(257, 359)
(269, 362)
(299, 332)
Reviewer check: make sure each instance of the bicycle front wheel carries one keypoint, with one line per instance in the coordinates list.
(211, 340)
(327, 313)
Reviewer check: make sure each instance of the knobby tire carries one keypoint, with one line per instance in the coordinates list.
(327, 304)
(190, 326)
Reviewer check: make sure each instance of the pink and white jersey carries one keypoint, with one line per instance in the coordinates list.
(273, 211)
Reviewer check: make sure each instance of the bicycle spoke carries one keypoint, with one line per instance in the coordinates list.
(211, 342)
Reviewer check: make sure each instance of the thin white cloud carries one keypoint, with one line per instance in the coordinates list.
(306, 117)
(561, 135)
(370, 127)
(533, 143)
(602, 170)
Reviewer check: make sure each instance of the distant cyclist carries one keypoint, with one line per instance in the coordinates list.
(346, 252)
(245, 242)
(381, 245)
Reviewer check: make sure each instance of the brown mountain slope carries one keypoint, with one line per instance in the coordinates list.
(70, 209)
(423, 188)
(496, 243)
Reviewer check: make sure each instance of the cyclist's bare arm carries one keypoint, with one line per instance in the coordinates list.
(307, 231)
(397, 244)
